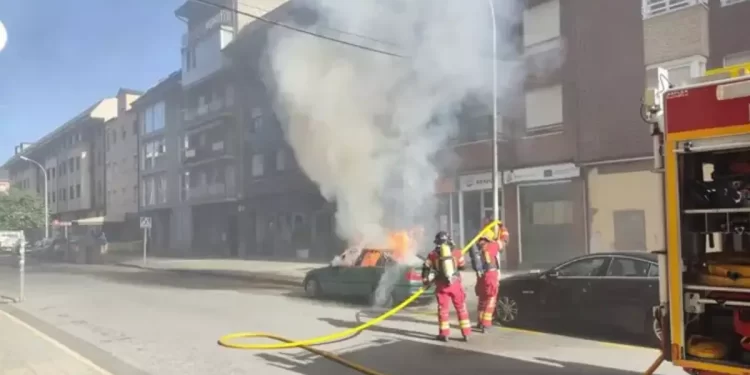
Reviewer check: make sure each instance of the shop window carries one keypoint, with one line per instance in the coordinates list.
(552, 213)
(630, 230)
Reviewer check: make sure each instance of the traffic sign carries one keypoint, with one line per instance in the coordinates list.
(145, 222)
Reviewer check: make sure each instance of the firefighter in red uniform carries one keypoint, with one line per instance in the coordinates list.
(485, 259)
(444, 264)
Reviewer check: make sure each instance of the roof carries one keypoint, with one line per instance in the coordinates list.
(85, 115)
(156, 92)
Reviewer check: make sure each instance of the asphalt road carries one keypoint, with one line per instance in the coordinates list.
(136, 322)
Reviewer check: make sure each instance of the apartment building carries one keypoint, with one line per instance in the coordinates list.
(120, 161)
(69, 157)
(685, 37)
(158, 129)
(4, 181)
(569, 113)
(211, 149)
(281, 209)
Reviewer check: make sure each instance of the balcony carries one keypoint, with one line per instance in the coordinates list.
(210, 192)
(224, 18)
(477, 129)
(201, 155)
(217, 108)
(653, 8)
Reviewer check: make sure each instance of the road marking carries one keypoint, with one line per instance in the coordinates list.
(57, 344)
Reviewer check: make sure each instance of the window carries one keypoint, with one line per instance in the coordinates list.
(653, 8)
(630, 230)
(544, 108)
(627, 267)
(124, 133)
(257, 165)
(256, 120)
(54, 197)
(135, 126)
(154, 118)
(72, 192)
(653, 270)
(114, 136)
(552, 213)
(71, 165)
(726, 3)
(582, 268)
(152, 154)
(737, 58)
(280, 160)
(78, 163)
(679, 71)
(161, 189)
(78, 190)
(541, 23)
(149, 192)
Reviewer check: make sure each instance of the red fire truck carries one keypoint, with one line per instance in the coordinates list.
(701, 133)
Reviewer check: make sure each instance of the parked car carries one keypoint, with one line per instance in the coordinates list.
(360, 280)
(617, 290)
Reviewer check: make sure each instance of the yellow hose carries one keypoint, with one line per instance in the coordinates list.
(227, 341)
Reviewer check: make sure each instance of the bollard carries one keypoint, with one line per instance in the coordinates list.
(21, 270)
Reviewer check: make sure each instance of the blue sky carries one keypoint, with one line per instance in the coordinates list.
(63, 55)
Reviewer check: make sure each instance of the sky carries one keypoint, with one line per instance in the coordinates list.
(64, 55)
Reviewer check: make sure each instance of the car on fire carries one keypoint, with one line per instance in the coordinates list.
(616, 290)
(360, 279)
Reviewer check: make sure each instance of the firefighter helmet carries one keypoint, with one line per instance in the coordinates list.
(442, 237)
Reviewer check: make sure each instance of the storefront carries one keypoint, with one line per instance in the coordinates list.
(547, 217)
(474, 203)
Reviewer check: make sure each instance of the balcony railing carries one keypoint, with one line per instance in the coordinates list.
(195, 115)
(223, 18)
(215, 150)
(211, 191)
(652, 8)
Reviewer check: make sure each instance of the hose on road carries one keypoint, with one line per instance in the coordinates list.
(230, 340)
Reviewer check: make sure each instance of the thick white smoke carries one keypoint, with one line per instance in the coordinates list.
(366, 126)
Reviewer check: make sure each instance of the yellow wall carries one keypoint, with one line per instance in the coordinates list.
(627, 190)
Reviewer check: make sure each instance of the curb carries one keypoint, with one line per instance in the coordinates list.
(247, 276)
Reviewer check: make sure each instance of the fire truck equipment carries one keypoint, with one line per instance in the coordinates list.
(701, 134)
(230, 340)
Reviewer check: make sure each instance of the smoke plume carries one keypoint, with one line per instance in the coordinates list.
(366, 126)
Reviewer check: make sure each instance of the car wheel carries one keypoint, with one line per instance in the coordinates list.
(312, 288)
(506, 311)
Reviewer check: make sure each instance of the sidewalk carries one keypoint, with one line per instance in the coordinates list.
(26, 351)
(283, 272)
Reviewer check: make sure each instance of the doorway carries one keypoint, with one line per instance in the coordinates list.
(546, 221)
(232, 236)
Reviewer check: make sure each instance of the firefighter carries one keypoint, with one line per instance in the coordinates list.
(443, 264)
(485, 259)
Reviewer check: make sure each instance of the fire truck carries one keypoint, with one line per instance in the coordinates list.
(701, 141)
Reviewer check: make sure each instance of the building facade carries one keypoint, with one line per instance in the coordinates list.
(685, 37)
(158, 113)
(4, 182)
(120, 162)
(69, 157)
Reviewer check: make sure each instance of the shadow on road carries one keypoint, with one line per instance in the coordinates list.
(406, 357)
(166, 278)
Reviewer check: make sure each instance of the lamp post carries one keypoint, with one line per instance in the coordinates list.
(46, 195)
(496, 183)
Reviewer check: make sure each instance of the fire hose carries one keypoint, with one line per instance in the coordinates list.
(229, 341)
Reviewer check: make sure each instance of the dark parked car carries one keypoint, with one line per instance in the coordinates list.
(361, 279)
(617, 290)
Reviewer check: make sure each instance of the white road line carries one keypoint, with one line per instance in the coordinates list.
(58, 344)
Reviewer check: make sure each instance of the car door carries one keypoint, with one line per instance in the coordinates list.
(626, 294)
(355, 281)
(566, 289)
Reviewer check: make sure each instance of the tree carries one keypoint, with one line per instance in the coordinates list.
(20, 210)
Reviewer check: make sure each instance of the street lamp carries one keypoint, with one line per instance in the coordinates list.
(46, 195)
(496, 185)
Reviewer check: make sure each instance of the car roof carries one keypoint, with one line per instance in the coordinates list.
(644, 255)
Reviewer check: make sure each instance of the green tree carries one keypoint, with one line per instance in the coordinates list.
(20, 210)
